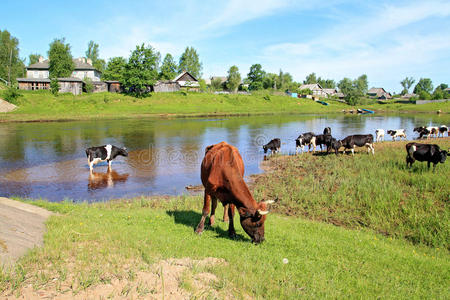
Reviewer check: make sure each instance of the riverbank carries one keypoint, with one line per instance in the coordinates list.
(39, 106)
(386, 215)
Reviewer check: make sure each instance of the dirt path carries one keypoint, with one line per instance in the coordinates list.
(6, 106)
(21, 228)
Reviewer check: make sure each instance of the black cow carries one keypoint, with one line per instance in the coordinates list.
(359, 140)
(335, 145)
(274, 146)
(327, 130)
(430, 153)
(443, 129)
(422, 131)
(103, 153)
(323, 139)
(304, 139)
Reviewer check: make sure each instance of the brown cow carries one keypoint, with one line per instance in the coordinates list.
(222, 174)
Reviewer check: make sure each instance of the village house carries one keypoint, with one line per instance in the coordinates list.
(379, 93)
(315, 88)
(187, 81)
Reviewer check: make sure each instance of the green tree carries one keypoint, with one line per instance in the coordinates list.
(326, 83)
(189, 61)
(88, 85)
(233, 79)
(353, 90)
(406, 84)
(92, 52)
(11, 66)
(115, 69)
(61, 63)
(141, 71)
(216, 84)
(310, 79)
(168, 68)
(424, 84)
(33, 58)
(362, 84)
(202, 84)
(256, 77)
(54, 86)
(271, 81)
(284, 81)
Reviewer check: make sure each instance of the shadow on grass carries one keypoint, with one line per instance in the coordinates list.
(191, 219)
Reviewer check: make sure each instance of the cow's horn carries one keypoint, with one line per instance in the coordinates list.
(263, 212)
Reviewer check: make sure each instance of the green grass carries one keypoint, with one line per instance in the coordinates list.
(377, 192)
(94, 244)
(42, 106)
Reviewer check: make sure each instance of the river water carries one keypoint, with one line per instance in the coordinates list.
(48, 160)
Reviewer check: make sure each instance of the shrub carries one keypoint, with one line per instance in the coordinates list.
(11, 94)
(54, 86)
(88, 85)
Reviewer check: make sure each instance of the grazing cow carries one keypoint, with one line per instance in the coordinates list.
(397, 133)
(103, 153)
(304, 139)
(422, 131)
(222, 174)
(323, 139)
(359, 140)
(434, 131)
(327, 130)
(274, 146)
(334, 145)
(379, 133)
(443, 129)
(425, 152)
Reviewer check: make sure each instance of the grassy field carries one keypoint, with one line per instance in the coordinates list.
(378, 192)
(391, 240)
(43, 106)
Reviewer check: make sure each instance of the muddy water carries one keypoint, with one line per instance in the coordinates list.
(47, 160)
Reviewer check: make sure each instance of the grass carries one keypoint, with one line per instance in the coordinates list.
(87, 245)
(378, 192)
(43, 106)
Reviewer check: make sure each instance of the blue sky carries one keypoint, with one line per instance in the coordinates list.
(387, 40)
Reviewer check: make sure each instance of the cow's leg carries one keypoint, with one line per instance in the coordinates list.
(434, 167)
(428, 165)
(205, 212)
(213, 211)
(231, 230)
(109, 163)
(373, 149)
(225, 213)
(353, 150)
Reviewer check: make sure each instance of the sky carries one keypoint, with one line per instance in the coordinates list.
(387, 40)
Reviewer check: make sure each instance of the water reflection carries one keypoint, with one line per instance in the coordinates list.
(48, 159)
(99, 180)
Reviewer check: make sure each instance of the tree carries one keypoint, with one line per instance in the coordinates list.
(33, 58)
(271, 81)
(61, 63)
(424, 84)
(54, 86)
(284, 81)
(362, 84)
(168, 68)
(189, 61)
(311, 78)
(353, 90)
(216, 84)
(115, 69)
(88, 85)
(11, 66)
(406, 84)
(233, 79)
(440, 93)
(326, 83)
(256, 77)
(141, 71)
(93, 53)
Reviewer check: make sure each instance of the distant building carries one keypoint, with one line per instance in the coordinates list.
(187, 81)
(409, 96)
(379, 93)
(330, 92)
(316, 89)
(166, 86)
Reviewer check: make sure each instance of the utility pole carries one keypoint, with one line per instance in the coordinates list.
(9, 69)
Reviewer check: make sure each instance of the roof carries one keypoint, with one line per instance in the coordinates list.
(377, 91)
(71, 79)
(222, 78)
(330, 91)
(183, 73)
(311, 86)
(80, 64)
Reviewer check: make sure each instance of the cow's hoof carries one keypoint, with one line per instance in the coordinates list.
(232, 235)
(199, 231)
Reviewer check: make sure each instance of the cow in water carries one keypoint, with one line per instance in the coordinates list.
(103, 153)
(400, 133)
(425, 152)
(222, 174)
(274, 146)
(304, 139)
(443, 129)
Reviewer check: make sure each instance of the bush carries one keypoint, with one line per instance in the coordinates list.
(54, 86)
(88, 85)
(11, 94)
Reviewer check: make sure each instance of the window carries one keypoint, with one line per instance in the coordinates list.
(36, 74)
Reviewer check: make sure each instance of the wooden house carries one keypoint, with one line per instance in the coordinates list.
(187, 81)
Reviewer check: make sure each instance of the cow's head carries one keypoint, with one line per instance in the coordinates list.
(253, 220)
(123, 152)
(443, 155)
(265, 148)
(335, 144)
(391, 132)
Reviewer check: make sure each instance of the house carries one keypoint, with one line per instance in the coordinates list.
(166, 86)
(330, 92)
(379, 93)
(316, 89)
(113, 86)
(187, 81)
(409, 96)
(38, 77)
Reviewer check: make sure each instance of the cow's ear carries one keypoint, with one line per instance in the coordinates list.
(245, 212)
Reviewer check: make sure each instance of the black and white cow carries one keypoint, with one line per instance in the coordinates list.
(334, 145)
(323, 139)
(400, 133)
(327, 130)
(274, 146)
(359, 140)
(430, 153)
(443, 129)
(422, 131)
(304, 139)
(103, 153)
(434, 131)
(379, 134)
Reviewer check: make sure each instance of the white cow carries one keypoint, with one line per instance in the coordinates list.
(379, 134)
